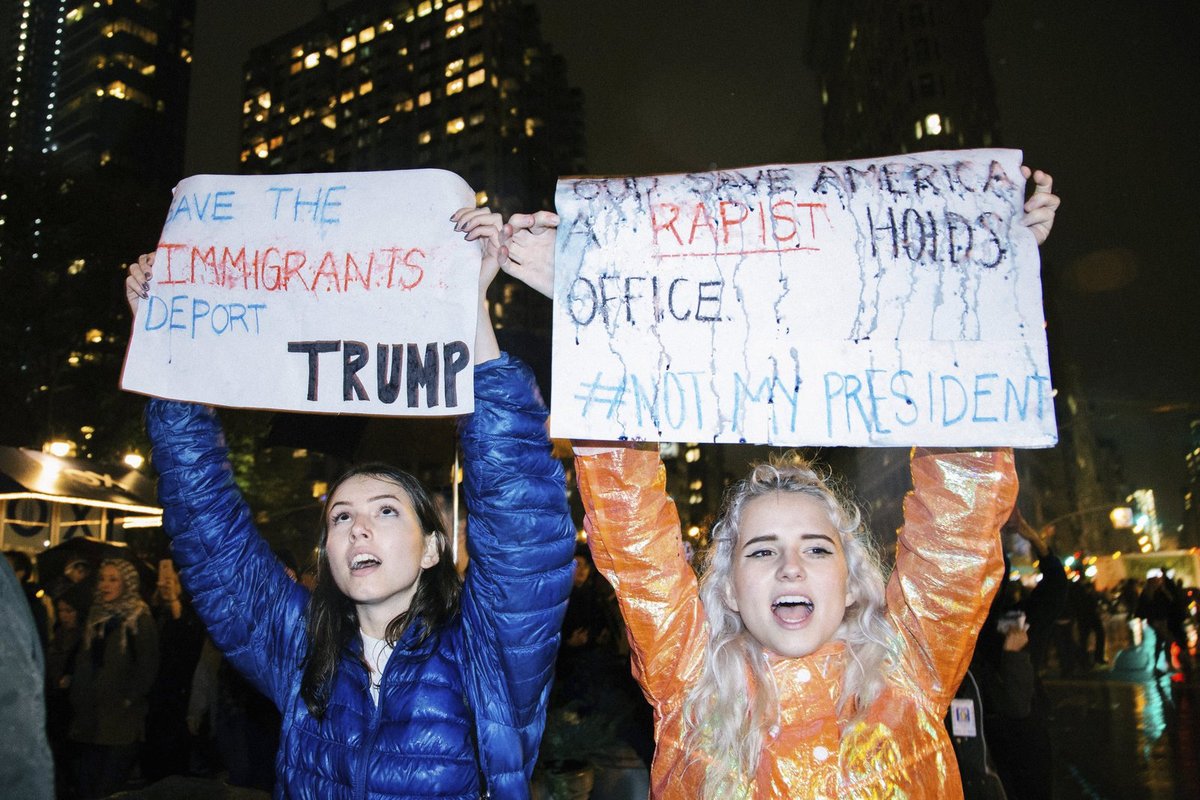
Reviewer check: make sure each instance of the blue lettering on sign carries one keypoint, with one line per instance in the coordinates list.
(874, 399)
(769, 390)
(670, 397)
(207, 207)
(317, 206)
(205, 317)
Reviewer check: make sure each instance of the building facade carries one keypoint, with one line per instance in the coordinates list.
(902, 77)
(91, 142)
(467, 86)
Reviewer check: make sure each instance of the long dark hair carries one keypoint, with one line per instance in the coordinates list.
(332, 619)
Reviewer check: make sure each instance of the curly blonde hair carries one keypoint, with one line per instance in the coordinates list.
(725, 722)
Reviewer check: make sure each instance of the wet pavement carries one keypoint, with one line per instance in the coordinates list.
(1126, 731)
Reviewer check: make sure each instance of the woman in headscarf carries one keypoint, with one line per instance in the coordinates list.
(114, 671)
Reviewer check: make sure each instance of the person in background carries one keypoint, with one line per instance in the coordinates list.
(1161, 606)
(26, 766)
(114, 670)
(71, 608)
(168, 749)
(22, 567)
(1014, 709)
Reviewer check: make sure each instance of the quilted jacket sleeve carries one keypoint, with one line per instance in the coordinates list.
(252, 610)
(949, 561)
(521, 544)
(633, 531)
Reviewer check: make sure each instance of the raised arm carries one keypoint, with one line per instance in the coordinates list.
(520, 540)
(634, 535)
(252, 610)
(948, 561)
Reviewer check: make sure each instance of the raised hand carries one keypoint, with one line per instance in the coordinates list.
(529, 240)
(137, 283)
(1041, 206)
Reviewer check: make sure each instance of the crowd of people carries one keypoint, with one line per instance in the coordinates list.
(788, 666)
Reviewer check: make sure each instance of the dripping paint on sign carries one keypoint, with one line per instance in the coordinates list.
(885, 302)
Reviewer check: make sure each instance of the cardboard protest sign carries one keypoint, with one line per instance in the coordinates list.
(346, 293)
(881, 302)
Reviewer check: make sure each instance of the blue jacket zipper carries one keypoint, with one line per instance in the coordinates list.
(368, 743)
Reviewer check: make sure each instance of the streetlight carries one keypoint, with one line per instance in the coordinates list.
(59, 447)
(134, 460)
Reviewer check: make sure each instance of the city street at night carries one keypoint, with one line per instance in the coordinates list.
(1126, 735)
(622, 400)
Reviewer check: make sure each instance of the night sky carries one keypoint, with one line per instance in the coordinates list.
(1100, 93)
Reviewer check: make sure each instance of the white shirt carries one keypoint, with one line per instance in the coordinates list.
(376, 652)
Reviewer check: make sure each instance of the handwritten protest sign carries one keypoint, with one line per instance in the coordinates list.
(879, 302)
(339, 292)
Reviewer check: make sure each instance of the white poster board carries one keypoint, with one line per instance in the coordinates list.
(872, 303)
(345, 293)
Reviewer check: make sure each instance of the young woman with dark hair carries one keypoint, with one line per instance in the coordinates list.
(393, 678)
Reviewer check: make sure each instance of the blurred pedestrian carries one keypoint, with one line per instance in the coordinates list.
(26, 767)
(22, 567)
(1161, 607)
(65, 640)
(167, 750)
(1089, 622)
(114, 671)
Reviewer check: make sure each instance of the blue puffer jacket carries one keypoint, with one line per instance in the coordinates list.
(460, 713)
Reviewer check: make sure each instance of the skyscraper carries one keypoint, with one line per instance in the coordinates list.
(91, 141)
(902, 77)
(91, 84)
(467, 86)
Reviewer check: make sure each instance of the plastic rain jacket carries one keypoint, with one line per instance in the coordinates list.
(948, 566)
(461, 712)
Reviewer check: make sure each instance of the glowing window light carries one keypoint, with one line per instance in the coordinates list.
(454, 67)
(454, 87)
(366, 35)
(455, 31)
(311, 60)
(424, 98)
(454, 12)
(477, 77)
(348, 44)
(134, 460)
(933, 124)
(455, 126)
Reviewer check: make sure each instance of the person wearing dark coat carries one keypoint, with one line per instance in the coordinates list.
(26, 768)
(114, 669)
(168, 745)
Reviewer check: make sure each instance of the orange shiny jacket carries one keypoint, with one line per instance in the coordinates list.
(948, 566)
